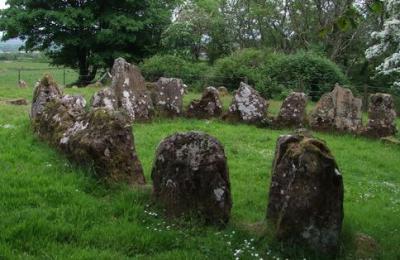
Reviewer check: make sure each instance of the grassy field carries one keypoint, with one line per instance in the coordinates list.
(50, 209)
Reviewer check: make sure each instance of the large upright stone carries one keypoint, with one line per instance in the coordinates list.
(101, 138)
(104, 139)
(190, 176)
(382, 116)
(209, 106)
(306, 194)
(293, 111)
(337, 110)
(247, 105)
(45, 91)
(168, 96)
(127, 93)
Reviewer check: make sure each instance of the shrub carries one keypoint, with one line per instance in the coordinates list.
(306, 72)
(242, 65)
(195, 74)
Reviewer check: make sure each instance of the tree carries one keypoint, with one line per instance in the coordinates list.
(88, 34)
(387, 43)
(198, 28)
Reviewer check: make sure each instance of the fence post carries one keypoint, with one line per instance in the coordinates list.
(64, 77)
(19, 75)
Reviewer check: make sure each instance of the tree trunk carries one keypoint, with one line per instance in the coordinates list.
(87, 73)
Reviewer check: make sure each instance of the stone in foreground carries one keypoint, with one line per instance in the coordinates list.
(382, 116)
(127, 93)
(168, 96)
(209, 106)
(293, 111)
(338, 110)
(306, 194)
(104, 139)
(247, 106)
(190, 176)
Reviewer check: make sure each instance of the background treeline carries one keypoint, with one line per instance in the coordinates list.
(277, 46)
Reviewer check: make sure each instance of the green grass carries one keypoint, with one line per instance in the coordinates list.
(52, 209)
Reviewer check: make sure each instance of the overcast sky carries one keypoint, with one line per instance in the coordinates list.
(2, 4)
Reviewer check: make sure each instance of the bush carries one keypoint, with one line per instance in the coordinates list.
(195, 74)
(306, 72)
(242, 65)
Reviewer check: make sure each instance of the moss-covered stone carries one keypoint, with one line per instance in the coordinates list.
(190, 176)
(306, 194)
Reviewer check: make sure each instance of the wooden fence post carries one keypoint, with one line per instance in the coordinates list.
(64, 77)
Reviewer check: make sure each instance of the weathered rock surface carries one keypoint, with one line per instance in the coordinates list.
(293, 111)
(382, 116)
(127, 93)
(247, 106)
(101, 138)
(45, 91)
(168, 96)
(209, 106)
(190, 176)
(337, 110)
(366, 247)
(18, 102)
(223, 91)
(306, 194)
(104, 139)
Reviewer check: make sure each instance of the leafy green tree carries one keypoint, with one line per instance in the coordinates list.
(88, 34)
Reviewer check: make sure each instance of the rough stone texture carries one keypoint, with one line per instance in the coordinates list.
(209, 106)
(190, 176)
(105, 99)
(247, 105)
(45, 91)
(18, 102)
(22, 84)
(104, 138)
(127, 93)
(382, 116)
(101, 138)
(293, 111)
(306, 194)
(366, 247)
(223, 91)
(168, 96)
(337, 110)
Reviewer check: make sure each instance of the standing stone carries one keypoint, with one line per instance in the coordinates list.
(293, 111)
(337, 110)
(104, 139)
(127, 93)
(22, 84)
(247, 105)
(45, 91)
(168, 96)
(209, 106)
(382, 116)
(306, 194)
(190, 176)
(223, 91)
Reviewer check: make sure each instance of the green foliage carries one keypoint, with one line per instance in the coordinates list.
(88, 35)
(306, 72)
(275, 74)
(195, 74)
